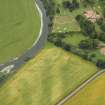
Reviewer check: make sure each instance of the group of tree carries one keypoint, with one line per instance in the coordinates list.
(50, 7)
(71, 5)
(102, 36)
(2, 76)
(88, 2)
(101, 64)
(101, 23)
(102, 5)
(89, 44)
(57, 40)
(87, 27)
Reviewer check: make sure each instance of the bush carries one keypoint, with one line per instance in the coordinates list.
(101, 64)
(89, 44)
(66, 46)
(71, 5)
(102, 36)
(2, 76)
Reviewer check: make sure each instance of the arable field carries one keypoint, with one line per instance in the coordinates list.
(93, 94)
(19, 27)
(46, 79)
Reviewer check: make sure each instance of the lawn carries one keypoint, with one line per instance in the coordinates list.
(19, 27)
(74, 38)
(46, 79)
(65, 24)
(93, 94)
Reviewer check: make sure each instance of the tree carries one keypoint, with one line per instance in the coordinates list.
(101, 63)
(88, 27)
(66, 46)
(58, 10)
(2, 76)
(102, 26)
(84, 44)
(88, 2)
(89, 44)
(102, 5)
(102, 36)
(66, 4)
(79, 18)
(75, 3)
(100, 21)
(71, 5)
(58, 42)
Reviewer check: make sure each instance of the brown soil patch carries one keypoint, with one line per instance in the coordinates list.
(102, 50)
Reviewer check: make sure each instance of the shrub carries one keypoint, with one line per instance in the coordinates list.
(101, 64)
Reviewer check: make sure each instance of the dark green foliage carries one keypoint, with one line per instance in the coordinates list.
(66, 46)
(101, 64)
(71, 5)
(102, 36)
(88, 2)
(88, 44)
(2, 76)
(87, 27)
(79, 18)
(100, 21)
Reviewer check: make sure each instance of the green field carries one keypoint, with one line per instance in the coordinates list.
(19, 27)
(74, 38)
(93, 94)
(46, 79)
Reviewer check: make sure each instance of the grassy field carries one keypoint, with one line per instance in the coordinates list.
(19, 27)
(46, 79)
(74, 38)
(93, 94)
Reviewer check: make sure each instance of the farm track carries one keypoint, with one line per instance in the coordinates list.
(78, 89)
(39, 43)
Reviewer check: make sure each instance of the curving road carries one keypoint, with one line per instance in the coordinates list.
(37, 46)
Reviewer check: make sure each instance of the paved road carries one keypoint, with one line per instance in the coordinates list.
(80, 87)
(37, 46)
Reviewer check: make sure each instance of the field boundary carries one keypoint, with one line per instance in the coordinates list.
(80, 87)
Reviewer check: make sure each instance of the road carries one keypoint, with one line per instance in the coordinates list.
(37, 46)
(61, 102)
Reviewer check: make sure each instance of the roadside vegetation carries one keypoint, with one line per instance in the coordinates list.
(19, 28)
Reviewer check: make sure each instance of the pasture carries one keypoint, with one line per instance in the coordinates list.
(19, 27)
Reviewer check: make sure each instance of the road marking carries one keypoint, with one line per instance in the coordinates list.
(41, 16)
